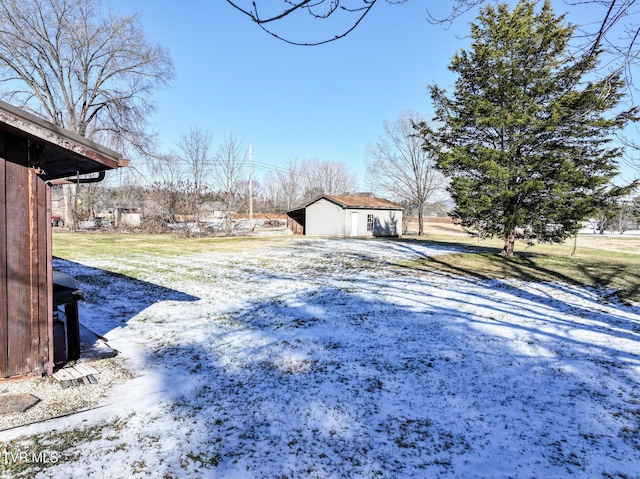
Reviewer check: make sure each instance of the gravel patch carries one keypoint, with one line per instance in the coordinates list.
(56, 401)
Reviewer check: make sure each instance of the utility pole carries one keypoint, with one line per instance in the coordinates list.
(250, 187)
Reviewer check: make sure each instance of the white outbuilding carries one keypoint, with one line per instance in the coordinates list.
(331, 215)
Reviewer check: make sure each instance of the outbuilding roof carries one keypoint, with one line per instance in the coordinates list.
(356, 202)
(64, 154)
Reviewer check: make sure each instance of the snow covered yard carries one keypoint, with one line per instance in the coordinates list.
(332, 359)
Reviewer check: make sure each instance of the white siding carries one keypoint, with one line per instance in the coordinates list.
(324, 218)
(387, 222)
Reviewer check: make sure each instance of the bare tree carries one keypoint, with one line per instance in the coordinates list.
(271, 12)
(635, 211)
(617, 30)
(85, 71)
(290, 184)
(401, 168)
(272, 193)
(242, 191)
(168, 202)
(167, 194)
(327, 177)
(283, 187)
(230, 163)
(128, 194)
(229, 170)
(168, 169)
(196, 156)
(624, 216)
(89, 200)
(611, 26)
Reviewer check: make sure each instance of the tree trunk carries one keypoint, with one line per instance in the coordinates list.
(509, 243)
(420, 222)
(70, 197)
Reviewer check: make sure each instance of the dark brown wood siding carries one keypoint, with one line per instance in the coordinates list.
(4, 343)
(25, 265)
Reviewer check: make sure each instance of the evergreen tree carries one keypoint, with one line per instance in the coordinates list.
(525, 138)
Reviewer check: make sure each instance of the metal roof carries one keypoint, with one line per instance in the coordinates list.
(64, 154)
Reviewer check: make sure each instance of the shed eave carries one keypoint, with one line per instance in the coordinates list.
(353, 204)
(382, 208)
(66, 154)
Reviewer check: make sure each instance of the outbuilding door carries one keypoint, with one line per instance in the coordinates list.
(354, 223)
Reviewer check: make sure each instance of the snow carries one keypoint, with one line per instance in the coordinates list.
(333, 358)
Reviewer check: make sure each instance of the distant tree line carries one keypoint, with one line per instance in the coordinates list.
(200, 180)
(524, 144)
(619, 217)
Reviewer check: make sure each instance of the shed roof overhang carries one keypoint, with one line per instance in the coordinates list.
(353, 202)
(61, 154)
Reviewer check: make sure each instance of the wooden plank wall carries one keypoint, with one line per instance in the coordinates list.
(4, 343)
(24, 268)
(295, 226)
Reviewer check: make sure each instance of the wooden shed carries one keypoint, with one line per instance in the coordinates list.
(34, 153)
(331, 215)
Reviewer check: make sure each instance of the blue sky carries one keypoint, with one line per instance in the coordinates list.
(327, 102)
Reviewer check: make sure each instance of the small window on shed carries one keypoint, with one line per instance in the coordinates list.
(369, 222)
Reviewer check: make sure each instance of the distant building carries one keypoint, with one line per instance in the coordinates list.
(331, 215)
(126, 217)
